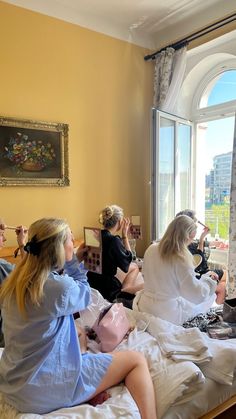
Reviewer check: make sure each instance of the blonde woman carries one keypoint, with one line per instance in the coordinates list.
(171, 289)
(116, 253)
(7, 267)
(198, 249)
(42, 368)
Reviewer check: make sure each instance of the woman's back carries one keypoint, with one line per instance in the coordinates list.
(160, 275)
(114, 255)
(171, 290)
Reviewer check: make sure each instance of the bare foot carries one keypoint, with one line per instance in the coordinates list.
(99, 398)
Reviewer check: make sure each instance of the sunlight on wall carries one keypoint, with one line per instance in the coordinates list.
(59, 72)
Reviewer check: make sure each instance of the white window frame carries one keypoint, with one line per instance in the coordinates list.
(155, 193)
(210, 113)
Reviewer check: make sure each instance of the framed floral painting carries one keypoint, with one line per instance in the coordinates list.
(33, 153)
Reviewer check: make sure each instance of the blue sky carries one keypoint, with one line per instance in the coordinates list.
(219, 139)
(219, 136)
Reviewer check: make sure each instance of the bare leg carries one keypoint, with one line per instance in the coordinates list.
(223, 279)
(133, 280)
(220, 293)
(132, 367)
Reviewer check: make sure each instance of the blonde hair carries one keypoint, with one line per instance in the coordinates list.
(110, 215)
(175, 240)
(45, 252)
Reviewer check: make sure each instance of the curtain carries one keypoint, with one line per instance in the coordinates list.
(169, 73)
(231, 280)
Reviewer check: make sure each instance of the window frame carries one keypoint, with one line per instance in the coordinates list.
(155, 193)
(210, 113)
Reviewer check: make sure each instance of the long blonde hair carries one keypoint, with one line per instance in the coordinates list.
(174, 243)
(45, 252)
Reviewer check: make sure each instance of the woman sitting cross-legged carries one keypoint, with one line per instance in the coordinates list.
(116, 253)
(42, 367)
(171, 289)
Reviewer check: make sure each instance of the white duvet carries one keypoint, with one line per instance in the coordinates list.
(175, 381)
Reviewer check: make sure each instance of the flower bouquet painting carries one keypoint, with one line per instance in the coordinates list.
(33, 153)
(28, 155)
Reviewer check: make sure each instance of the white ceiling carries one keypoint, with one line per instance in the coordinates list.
(149, 23)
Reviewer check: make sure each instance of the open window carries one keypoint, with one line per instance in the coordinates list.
(171, 156)
(214, 118)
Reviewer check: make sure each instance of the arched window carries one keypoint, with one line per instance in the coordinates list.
(214, 114)
(220, 89)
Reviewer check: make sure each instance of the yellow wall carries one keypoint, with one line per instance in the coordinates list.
(58, 72)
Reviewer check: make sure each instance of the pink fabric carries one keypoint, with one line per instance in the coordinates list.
(112, 327)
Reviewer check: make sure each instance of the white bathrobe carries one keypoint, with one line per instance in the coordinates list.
(171, 289)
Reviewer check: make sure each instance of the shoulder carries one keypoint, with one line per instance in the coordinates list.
(58, 284)
(4, 262)
(108, 238)
(106, 235)
(152, 250)
(5, 268)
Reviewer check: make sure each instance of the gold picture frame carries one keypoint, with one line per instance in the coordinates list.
(33, 153)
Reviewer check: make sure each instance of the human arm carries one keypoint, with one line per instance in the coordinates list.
(67, 291)
(202, 238)
(80, 252)
(83, 340)
(124, 231)
(21, 234)
(5, 269)
(193, 289)
(121, 256)
(79, 296)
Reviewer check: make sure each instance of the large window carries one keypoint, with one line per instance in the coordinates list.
(220, 89)
(214, 115)
(171, 169)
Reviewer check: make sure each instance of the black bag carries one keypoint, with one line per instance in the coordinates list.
(229, 311)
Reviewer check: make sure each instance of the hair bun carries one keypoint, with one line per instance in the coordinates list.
(106, 214)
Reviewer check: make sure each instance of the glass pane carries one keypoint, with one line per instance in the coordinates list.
(221, 89)
(184, 167)
(165, 212)
(218, 177)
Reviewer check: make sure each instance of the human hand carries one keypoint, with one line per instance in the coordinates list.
(2, 226)
(21, 233)
(204, 233)
(125, 226)
(80, 252)
(213, 275)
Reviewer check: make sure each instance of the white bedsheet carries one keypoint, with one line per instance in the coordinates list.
(174, 383)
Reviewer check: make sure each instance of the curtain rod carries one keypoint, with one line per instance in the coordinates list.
(195, 35)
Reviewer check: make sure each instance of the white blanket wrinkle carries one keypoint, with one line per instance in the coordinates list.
(179, 360)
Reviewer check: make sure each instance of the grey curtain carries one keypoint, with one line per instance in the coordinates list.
(168, 78)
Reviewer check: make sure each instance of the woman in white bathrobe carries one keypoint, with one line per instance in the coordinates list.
(171, 289)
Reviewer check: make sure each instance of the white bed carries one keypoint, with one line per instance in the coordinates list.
(186, 388)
